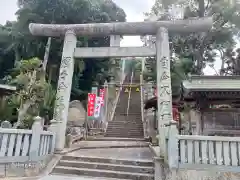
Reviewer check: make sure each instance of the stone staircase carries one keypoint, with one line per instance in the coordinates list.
(104, 167)
(127, 125)
(121, 154)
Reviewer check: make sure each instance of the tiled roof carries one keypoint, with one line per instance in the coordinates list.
(212, 83)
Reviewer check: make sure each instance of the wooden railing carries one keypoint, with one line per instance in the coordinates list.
(204, 152)
(21, 145)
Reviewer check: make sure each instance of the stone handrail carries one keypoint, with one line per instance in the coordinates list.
(217, 153)
(22, 145)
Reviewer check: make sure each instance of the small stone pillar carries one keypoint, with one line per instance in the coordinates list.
(53, 128)
(159, 173)
(64, 88)
(164, 91)
(37, 128)
(173, 153)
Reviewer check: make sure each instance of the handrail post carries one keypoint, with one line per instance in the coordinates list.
(142, 105)
(36, 133)
(129, 94)
(105, 105)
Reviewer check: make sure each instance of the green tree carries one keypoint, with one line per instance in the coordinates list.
(201, 48)
(62, 12)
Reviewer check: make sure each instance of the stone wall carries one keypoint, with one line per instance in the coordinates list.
(201, 175)
(164, 173)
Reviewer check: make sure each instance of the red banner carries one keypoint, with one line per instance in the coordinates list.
(155, 92)
(91, 104)
(101, 94)
(175, 114)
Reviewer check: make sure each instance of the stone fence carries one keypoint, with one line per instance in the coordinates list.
(23, 145)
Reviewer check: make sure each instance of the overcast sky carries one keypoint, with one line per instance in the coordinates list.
(133, 8)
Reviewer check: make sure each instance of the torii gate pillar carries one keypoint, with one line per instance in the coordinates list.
(64, 88)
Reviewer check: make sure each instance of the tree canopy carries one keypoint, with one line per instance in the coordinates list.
(191, 53)
(16, 42)
(18, 49)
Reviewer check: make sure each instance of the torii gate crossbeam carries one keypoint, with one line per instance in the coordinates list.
(122, 28)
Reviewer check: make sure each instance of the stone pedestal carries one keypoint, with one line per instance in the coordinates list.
(159, 171)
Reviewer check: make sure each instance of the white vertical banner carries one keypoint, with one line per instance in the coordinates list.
(97, 108)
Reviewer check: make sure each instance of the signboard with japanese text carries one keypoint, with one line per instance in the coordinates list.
(91, 104)
(97, 108)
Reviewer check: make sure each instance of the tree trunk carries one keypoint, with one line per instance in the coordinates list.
(46, 55)
(201, 12)
(201, 8)
(17, 56)
(222, 63)
(22, 112)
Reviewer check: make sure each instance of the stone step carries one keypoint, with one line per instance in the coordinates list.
(127, 119)
(121, 123)
(112, 131)
(107, 166)
(124, 123)
(121, 131)
(102, 173)
(130, 113)
(115, 134)
(125, 136)
(111, 134)
(108, 160)
(125, 129)
(119, 139)
(117, 121)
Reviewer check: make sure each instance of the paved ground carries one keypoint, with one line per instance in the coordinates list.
(116, 153)
(122, 150)
(99, 144)
(57, 177)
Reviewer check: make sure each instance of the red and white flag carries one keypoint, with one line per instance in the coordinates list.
(91, 104)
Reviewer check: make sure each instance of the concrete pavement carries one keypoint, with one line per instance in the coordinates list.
(62, 177)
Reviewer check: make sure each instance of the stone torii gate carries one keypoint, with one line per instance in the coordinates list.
(161, 50)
